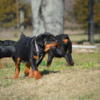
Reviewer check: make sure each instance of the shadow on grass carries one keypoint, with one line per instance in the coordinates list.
(46, 72)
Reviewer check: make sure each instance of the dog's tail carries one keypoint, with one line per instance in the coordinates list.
(7, 42)
(22, 35)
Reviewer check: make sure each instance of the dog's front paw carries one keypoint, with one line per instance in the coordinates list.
(37, 74)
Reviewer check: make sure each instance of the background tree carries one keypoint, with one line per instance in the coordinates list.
(9, 12)
(97, 13)
(81, 12)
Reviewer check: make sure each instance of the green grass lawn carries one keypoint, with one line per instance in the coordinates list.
(82, 60)
(59, 81)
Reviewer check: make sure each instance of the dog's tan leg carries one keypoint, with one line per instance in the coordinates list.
(17, 69)
(35, 74)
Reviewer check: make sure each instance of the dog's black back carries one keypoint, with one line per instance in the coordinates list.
(7, 48)
(7, 51)
(23, 47)
(7, 42)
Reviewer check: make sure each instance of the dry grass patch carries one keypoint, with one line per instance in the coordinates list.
(72, 84)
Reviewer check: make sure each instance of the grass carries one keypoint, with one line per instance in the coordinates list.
(59, 81)
(88, 60)
(82, 60)
(81, 38)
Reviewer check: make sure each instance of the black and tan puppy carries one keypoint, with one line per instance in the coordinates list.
(30, 50)
(64, 49)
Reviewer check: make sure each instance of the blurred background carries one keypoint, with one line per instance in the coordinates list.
(60, 81)
(16, 16)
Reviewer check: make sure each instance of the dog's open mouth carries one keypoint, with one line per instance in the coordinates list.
(50, 45)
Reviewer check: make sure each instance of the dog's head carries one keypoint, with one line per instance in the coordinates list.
(46, 41)
(62, 38)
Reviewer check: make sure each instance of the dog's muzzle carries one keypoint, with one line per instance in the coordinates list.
(50, 45)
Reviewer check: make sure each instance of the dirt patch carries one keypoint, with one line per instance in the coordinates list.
(70, 84)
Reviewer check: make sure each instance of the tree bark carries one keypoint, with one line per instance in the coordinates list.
(48, 16)
(90, 21)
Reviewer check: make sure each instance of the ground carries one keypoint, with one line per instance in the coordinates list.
(66, 85)
(59, 82)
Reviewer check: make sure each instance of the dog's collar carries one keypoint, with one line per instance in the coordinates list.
(37, 48)
(37, 51)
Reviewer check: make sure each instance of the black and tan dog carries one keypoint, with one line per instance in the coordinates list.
(64, 49)
(30, 50)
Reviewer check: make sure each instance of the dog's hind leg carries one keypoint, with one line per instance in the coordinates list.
(17, 69)
(49, 60)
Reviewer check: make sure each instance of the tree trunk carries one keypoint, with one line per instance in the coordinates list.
(90, 22)
(48, 16)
